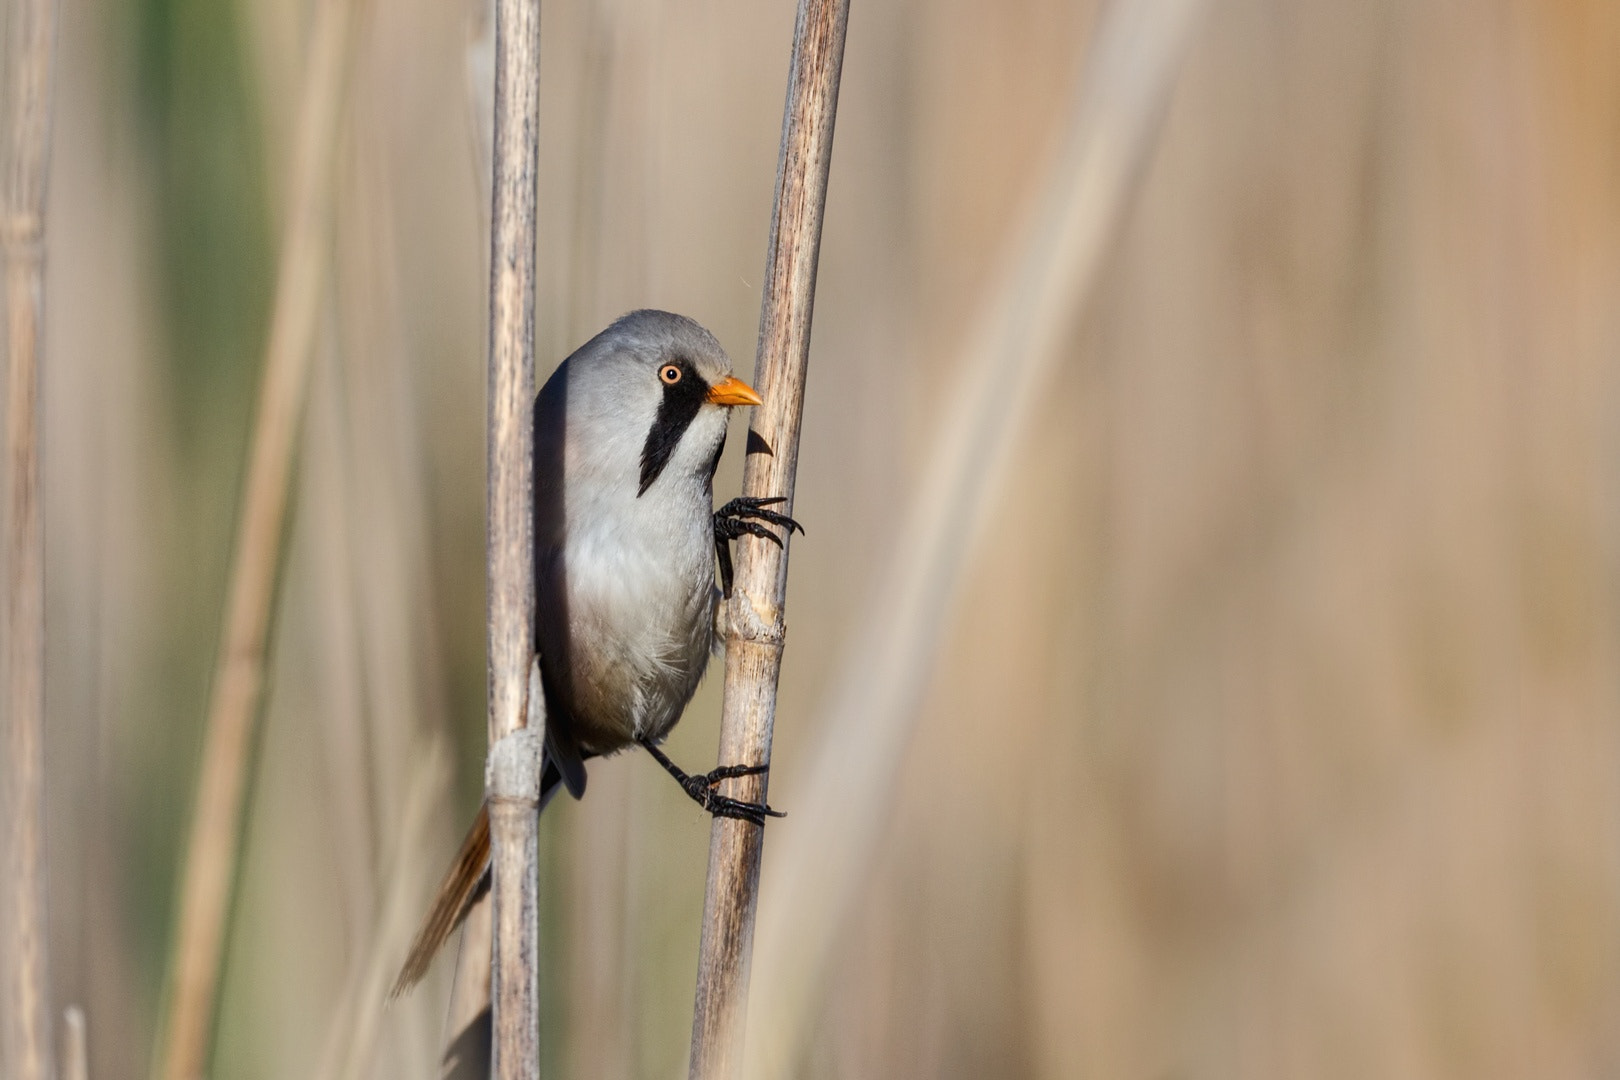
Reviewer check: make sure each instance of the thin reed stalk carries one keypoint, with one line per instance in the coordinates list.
(356, 1026)
(384, 524)
(512, 782)
(754, 632)
(213, 848)
(25, 994)
(843, 806)
(467, 1018)
(75, 1045)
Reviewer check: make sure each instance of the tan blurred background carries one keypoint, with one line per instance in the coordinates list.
(1275, 728)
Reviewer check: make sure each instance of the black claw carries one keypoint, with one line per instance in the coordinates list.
(748, 506)
(743, 516)
(752, 528)
(781, 520)
(731, 772)
(701, 788)
(720, 806)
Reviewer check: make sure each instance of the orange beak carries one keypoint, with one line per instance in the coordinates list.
(733, 391)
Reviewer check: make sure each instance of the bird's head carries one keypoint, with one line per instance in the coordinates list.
(659, 386)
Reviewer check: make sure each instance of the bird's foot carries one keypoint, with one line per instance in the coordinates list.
(701, 788)
(746, 515)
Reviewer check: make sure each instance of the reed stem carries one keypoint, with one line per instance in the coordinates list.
(1111, 128)
(25, 996)
(214, 846)
(513, 779)
(754, 623)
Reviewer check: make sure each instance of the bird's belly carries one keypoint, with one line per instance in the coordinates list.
(636, 643)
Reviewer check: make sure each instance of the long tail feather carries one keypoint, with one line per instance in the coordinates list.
(462, 884)
(465, 881)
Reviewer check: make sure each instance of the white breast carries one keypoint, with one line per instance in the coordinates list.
(640, 596)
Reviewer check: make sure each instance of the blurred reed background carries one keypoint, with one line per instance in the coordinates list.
(1274, 732)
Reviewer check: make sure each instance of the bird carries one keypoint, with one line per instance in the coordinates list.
(628, 432)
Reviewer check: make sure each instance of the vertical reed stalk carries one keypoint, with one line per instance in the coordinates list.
(355, 1032)
(212, 850)
(754, 634)
(1134, 60)
(467, 1019)
(25, 996)
(513, 779)
(75, 1045)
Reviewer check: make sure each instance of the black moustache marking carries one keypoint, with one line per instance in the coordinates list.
(714, 463)
(675, 414)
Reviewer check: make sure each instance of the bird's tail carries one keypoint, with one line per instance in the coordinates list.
(463, 884)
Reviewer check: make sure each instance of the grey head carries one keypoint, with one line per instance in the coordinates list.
(647, 396)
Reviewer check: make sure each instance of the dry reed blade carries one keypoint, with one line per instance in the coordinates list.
(385, 523)
(357, 1018)
(825, 855)
(75, 1045)
(479, 60)
(467, 1019)
(25, 993)
(327, 499)
(212, 849)
(754, 615)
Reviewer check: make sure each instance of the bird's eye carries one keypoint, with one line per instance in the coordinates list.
(670, 373)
